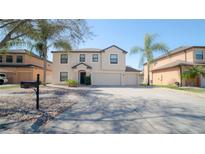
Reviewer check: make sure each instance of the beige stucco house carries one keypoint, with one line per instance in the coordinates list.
(105, 66)
(168, 69)
(22, 65)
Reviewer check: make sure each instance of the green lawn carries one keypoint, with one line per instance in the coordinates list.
(190, 89)
(9, 86)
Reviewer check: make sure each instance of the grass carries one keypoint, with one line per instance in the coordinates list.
(9, 87)
(189, 89)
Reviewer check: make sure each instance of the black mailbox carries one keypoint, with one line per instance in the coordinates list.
(28, 84)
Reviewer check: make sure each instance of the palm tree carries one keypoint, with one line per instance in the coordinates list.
(56, 34)
(193, 73)
(43, 34)
(147, 52)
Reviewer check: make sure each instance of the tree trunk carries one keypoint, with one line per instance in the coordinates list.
(44, 65)
(148, 75)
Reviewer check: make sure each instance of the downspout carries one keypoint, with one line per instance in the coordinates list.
(185, 56)
(180, 68)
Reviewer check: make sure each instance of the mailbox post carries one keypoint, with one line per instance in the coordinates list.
(37, 91)
(35, 85)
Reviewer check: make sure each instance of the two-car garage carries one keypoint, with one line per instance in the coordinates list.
(106, 79)
(127, 78)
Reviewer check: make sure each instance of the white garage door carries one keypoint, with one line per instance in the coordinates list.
(131, 79)
(106, 79)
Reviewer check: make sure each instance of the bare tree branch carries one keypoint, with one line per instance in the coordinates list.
(8, 36)
(9, 22)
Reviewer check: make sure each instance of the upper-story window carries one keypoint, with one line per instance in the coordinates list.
(9, 59)
(95, 57)
(1, 58)
(19, 59)
(82, 58)
(64, 58)
(199, 55)
(113, 59)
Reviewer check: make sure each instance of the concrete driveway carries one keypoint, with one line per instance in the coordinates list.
(132, 110)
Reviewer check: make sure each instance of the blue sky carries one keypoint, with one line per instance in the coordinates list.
(129, 33)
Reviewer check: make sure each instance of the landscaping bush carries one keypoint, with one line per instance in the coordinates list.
(88, 80)
(72, 83)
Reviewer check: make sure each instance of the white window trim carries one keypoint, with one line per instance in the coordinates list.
(60, 75)
(85, 57)
(92, 58)
(118, 58)
(12, 59)
(22, 59)
(67, 58)
(2, 59)
(195, 53)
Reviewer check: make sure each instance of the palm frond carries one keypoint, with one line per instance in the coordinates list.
(193, 72)
(148, 40)
(62, 44)
(142, 60)
(135, 50)
(160, 47)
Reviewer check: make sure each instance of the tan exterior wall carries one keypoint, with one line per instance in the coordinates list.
(106, 66)
(103, 64)
(188, 56)
(40, 71)
(18, 74)
(36, 61)
(167, 76)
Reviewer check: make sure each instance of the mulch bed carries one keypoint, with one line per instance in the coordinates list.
(19, 104)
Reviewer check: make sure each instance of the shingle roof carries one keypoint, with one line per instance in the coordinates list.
(130, 69)
(24, 51)
(91, 50)
(115, 47)
(174, 64)
(87, 49)
(19, 65)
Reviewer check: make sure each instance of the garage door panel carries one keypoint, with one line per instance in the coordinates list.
(131, 79)
(106, 79)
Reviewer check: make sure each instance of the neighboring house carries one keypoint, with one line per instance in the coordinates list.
(105, 66)
(21, 65)
(168, 69)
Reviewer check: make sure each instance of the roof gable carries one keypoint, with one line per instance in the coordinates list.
(114, 47)
(75, 66)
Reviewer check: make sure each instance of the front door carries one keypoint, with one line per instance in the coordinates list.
(82, 77)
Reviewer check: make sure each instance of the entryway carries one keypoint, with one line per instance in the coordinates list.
(82, 77)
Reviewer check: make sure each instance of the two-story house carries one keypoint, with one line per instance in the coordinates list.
(22, 65)
(168, 69)
(105, 66)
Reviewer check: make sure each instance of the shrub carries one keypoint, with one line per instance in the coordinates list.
(88, 80)
(72, 83)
